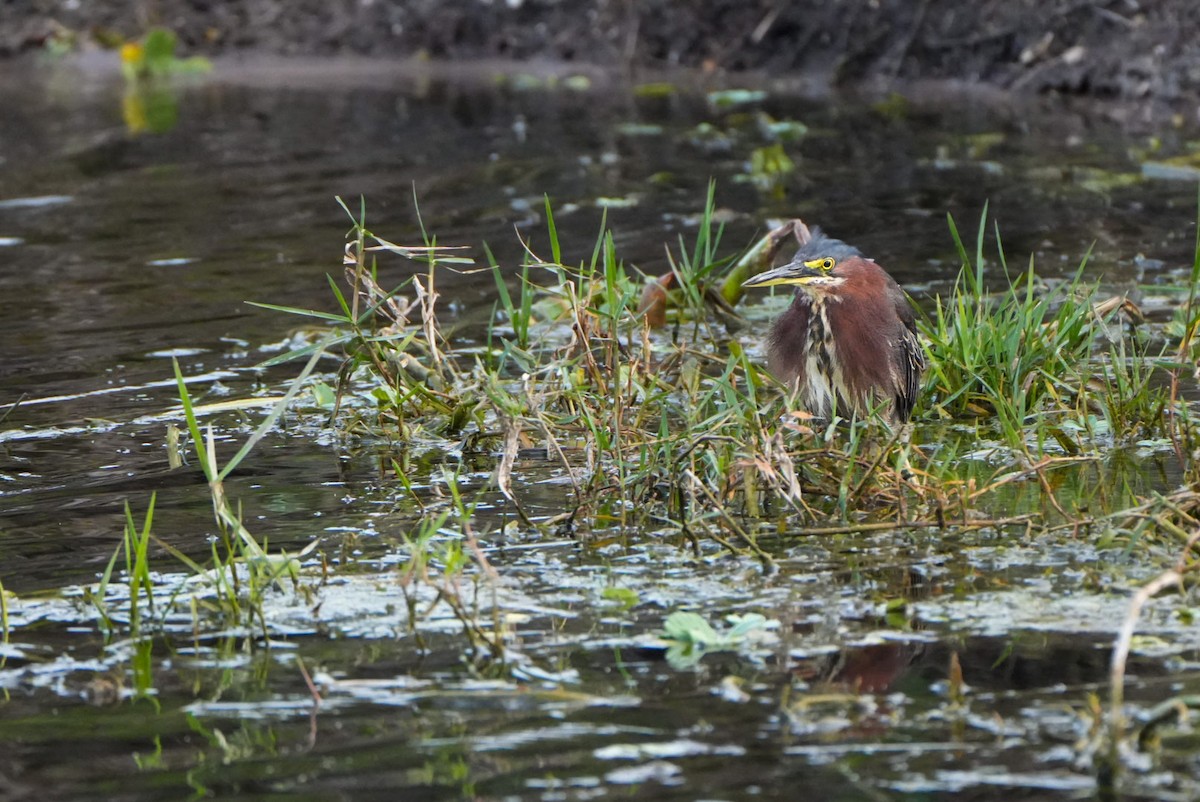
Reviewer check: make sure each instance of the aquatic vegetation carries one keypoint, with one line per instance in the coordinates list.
(770, 167)
(659, 416)
(154, 57)
(640, 399)
(727, 98)
(691, 637)
(1004, 355)
(150, 103)
(135, 547)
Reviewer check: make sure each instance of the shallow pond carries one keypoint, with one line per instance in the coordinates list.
(134, 226)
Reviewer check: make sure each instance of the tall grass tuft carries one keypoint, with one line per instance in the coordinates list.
(237, 547)
(1006, 355)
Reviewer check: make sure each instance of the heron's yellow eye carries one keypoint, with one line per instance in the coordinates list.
(825, 264)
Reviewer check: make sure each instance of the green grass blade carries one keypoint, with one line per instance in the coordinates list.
(348, 313)
(979, 242)
(292, 310)
(190, 414)
(291, 356)
(273, 416)
(555, 249)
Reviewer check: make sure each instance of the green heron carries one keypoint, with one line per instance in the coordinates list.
(849, 333)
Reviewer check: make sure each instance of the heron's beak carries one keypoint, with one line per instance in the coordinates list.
(786, 274)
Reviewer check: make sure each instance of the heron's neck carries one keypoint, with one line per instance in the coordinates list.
(819, 288)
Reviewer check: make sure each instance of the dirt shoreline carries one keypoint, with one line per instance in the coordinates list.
(1145, 52)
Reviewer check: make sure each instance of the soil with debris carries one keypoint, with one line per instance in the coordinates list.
(1121, 49)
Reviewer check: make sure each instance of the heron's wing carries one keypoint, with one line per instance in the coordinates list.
(912, 360)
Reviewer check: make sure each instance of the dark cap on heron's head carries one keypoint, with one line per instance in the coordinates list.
(820, 246)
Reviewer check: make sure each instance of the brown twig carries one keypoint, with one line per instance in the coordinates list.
(883, 453)
(512, 434)
(767, 560)
(882, 526)
(312, 687)
(1120, 655)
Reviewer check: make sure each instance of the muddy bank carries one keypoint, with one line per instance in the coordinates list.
(1125, 49)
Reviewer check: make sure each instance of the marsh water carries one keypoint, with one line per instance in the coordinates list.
(134, 227)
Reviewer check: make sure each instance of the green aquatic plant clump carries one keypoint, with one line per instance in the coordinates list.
(645, 396)
(1004, 354)
(1040, 362)
(154, 57)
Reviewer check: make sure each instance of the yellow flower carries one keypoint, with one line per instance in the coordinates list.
(132, 53)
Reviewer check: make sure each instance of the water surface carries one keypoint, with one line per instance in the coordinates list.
(122, 248)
